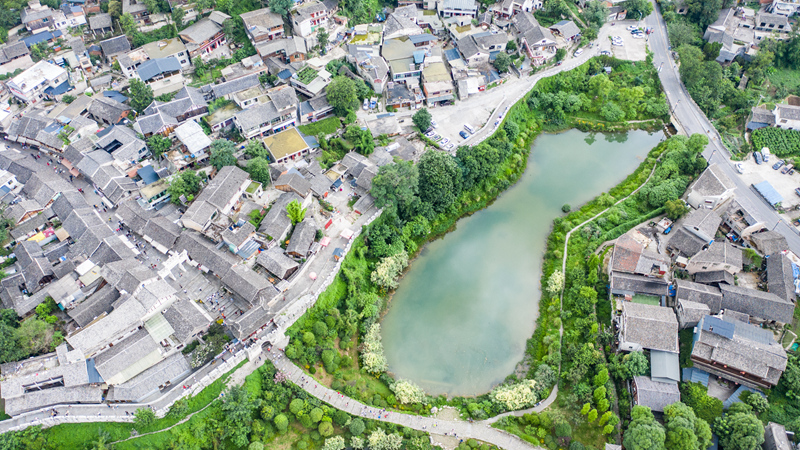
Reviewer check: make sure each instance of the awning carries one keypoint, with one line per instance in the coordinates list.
(347, 233)
(325, 241)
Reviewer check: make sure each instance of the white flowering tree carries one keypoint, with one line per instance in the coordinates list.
(372, 357)
(515, 396)
(388, 270)
(379, 440)
(357, 442)
(334, 443)
(555, 282)
(407, 392)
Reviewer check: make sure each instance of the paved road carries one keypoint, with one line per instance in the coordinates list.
(690, 119)
(459, 428)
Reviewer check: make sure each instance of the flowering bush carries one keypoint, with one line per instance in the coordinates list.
(388, 270)
(555, 282)
(379, 440)
(407, 392)
(372, 357)
(514, 396)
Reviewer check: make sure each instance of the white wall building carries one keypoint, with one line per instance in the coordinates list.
(29, 86)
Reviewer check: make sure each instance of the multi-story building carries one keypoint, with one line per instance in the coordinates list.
(308, 18)
(262, 25)
(205, 36)
(275, 111)
(31, 85)
(457, 8)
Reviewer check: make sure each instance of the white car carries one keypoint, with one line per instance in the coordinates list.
(632, 27)
(638, 36)
(445, 141)
(449, 146)
(434, 124)
(618, 44)
(578, 52)
(739, 167)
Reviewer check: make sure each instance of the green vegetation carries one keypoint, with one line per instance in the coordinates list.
(187, 183)
(422, 119)
(781, 142)
(222, 154)
(35, 335)
(141, 95)
(307, 75)
(324, 127)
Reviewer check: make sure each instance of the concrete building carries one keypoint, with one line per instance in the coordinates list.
(33, 84)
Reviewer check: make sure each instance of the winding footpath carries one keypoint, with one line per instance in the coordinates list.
(460, 429)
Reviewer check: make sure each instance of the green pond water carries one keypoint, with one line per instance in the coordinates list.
(459, 320)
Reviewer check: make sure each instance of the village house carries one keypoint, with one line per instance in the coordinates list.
(100, 24)
(138, 10)
(404, 60)
(217, 199)
(402, 23)
(310, 81)
(457, 8)
(262, 25)
(505, 9)
(277, 112)
(437, 85)
(647, 327)
(737, 219)
(718, 256)
(780, 277)
(193, 140)
(167, 48)
(286, 145)
(481, 48)
(38, 18)
(115, 47)
(314, 109)
(38, 82)
(163, 118)
(739, 352)
(695, 231)
(566, 29)
(307, 18)
(711, 189)
(205, 36)
(288, 50)
(108, 111)
(653, 394)
(277, 263)
(302, 239)
(276, 224)
(537, 42)
(783, 116)
(773, 23)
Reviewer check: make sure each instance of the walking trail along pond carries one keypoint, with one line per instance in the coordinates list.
(458, 322)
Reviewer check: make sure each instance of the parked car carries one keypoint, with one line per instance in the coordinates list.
(740, 167)
(631, 27)
(463, 134)
(791, 172)
(786, 168)
(449, 146)
(606, 53)
(445, 141)
(366, 104)
(434, 124)
(638, 36)
(777, 165)
(559, 63)
(759, 159)
(578, 52)
(797, 191)
(469, 129)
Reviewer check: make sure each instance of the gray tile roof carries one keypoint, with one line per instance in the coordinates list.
(155, 67)
(769, 242)
(703, 223)
(364, 179)
(253, 319)
(630, 256)
(287, 46)
(293, 181)
(238, 235)
(528, 27)
(148, 382)
(234, 86)
(115, 46)
(127, 275)
(354, 162)
(780, 277)
(760, 304)
(125, 353)
(186, 319)
(15, 50)
(163, 231)
(134, 216)
(201, 31)
(763, 115)
(94, 306)
(204, 252)
(567, 28)
(689, 313)
(713, 182)
(277, 263)
(251, 286)
(655, 395)
(651, 327)
(638, 284)
(276, 223)
(699, 293)
(746, 348)
(254, 116)
(715, 277)
(107, 109)
(775, 437)
(258, 23)
(303, 236)
(720, 253)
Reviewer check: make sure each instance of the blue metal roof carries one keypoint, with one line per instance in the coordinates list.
(94, 375)
(41, 37)
(154, 67)
(420, 38)
(419, 56)
(756, 125)
(451, 54)
(768, 192)
(693, 375)
(311, 141)
(493, 55)
(285, 74)
(718, 326)
(734, 398)
(58, 90)
(148, 174)
(115, 95)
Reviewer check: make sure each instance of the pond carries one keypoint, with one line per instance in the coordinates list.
(458, 322)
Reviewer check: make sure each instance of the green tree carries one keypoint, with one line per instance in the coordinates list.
(158, 144)
(592, 416)
(439, 180)
(705, 407)
(422, 119)
(703, 12)
(178, 14)
(68, 99)
(561, 53)
(238, 407)
(511, 46)
(115, 8)
(39, 51)
(556, 8)
(258, 168)
(186, 184)
(675, 209)
(636, 363)
(35, 336)
(739, 429)
(790, 381)
(595, 12)
(685, 431)
(141, 95)
(396, 185)
(10, 349)
(501, 62)
(280, 6)
(128, 24)
(341, 94)
(644, 433)
(255, 148)
(222, 154)
(638, 8)
(295, 211)
(357, 427)
(322, 37)
(143, 418)
(612, 112)
(325, 429)
(281, 423)
(200, 66)
(682, 32)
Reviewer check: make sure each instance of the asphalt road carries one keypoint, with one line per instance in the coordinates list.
(691, 119)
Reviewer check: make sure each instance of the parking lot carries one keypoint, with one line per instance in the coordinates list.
(631, 49)
(783, 183)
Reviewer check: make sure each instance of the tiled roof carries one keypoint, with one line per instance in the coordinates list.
(651, 327)
(115, 45)
(655, 395)
(780, 277)
(764, 305)
(276, 262)
(302, 238)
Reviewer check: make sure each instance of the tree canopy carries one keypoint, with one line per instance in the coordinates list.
(222, 154)
(186, 184)
(439, 180)
(644, 433)
(141, 95)
(422, 119)
(341, 94)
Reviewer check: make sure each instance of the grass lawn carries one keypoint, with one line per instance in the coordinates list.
(81, 435)
(685, 340)
(788, 77)
(324, 127)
